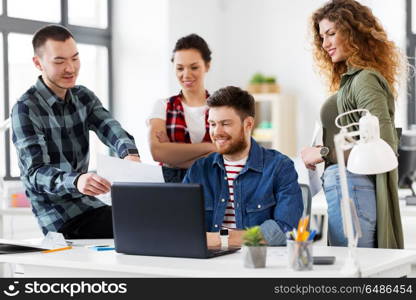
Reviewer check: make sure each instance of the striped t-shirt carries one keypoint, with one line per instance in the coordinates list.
(233, 168)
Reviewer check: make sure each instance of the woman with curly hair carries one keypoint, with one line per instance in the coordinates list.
(362, 67)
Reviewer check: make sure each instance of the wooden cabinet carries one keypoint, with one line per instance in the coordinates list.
(275, 125)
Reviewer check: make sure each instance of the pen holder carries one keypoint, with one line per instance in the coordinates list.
(300, 255)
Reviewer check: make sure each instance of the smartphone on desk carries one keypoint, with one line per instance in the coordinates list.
(410, 200)
(323, 260)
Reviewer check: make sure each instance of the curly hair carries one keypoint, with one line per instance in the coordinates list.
(365, 40)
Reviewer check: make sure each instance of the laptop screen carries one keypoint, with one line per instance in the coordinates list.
(159, 219)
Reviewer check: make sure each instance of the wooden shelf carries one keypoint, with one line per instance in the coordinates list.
(278, 111)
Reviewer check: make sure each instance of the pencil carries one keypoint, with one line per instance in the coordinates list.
(57, 249)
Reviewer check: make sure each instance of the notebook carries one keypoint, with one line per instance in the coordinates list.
(13, 246)
(161, 219)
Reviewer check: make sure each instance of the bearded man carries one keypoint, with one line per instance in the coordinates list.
(244, 183)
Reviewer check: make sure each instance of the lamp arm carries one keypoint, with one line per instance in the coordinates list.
(351, 134)
(349, 140)
(5, 125)
(340, 144)
(351, 265)
(366, 111)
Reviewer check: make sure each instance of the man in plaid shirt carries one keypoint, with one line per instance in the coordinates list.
(51, 124)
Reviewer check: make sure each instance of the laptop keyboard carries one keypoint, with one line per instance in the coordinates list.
(218, 251)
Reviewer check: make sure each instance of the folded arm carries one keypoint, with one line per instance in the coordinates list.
(174, 154)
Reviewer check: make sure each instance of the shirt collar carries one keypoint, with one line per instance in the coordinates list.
(49, 96)
(181, 94)
(351, 70)
(254, 160)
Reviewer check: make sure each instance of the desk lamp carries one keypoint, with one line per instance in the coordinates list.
(369, 155)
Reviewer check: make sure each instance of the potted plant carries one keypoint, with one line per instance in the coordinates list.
(270, 85)
(256, 83)
(262, 84)
(254, 250)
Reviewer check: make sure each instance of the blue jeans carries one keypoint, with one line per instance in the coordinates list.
(362, 191)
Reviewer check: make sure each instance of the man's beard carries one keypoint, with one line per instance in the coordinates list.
(236, 146)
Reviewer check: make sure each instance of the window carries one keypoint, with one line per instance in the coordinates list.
(88, 20)
(22, 75)
(91, 13)
(94, 61)
(2, 113)
(411, 54)
(41, 10)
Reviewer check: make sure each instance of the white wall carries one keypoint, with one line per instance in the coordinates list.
(141, 63)
(245, 36)
(205, 18)
(272, 37)
(392, 15)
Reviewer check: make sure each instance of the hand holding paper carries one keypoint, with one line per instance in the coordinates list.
(123, 170)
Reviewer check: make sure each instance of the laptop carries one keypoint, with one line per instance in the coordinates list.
(161, 219)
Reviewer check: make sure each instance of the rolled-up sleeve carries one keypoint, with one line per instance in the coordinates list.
(372, 93)
(108, 130)
(289, 206)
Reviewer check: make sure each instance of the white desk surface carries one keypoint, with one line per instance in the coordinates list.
(83, 262)
(16, 211)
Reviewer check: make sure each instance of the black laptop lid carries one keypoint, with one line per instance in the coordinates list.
(160, 219)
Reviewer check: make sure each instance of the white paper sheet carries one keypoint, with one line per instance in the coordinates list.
(116, 169)
(24, 243)
(315, 182)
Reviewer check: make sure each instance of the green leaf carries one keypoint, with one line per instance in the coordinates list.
(253, 236)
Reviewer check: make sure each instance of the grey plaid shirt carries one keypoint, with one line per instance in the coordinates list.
(52, 141)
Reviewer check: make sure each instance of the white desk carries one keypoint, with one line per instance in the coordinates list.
(84, 262)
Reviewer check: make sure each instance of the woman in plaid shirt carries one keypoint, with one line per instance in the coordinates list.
(178, 125)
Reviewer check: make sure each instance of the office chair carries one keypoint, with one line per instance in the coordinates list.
(307, 201)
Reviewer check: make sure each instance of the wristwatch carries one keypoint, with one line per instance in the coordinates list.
(129, 152)
(224, 238)
(324, 151)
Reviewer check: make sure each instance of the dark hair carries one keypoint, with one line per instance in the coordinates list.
(193, 41)
(241, 101)
(53, 32)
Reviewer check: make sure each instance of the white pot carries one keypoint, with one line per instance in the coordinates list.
(254, 256)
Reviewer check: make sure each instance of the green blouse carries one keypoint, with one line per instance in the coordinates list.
(364, 88)
(329, 111)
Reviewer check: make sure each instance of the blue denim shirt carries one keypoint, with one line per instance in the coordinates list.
(266, 192)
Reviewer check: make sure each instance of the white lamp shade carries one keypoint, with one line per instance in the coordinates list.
(373, 157)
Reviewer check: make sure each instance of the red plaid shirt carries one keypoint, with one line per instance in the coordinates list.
(175, 122)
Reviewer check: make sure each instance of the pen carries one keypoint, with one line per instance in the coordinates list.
(312, 235)
(104, 248)
(294, 233)
(97, 246)
(57, 249)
